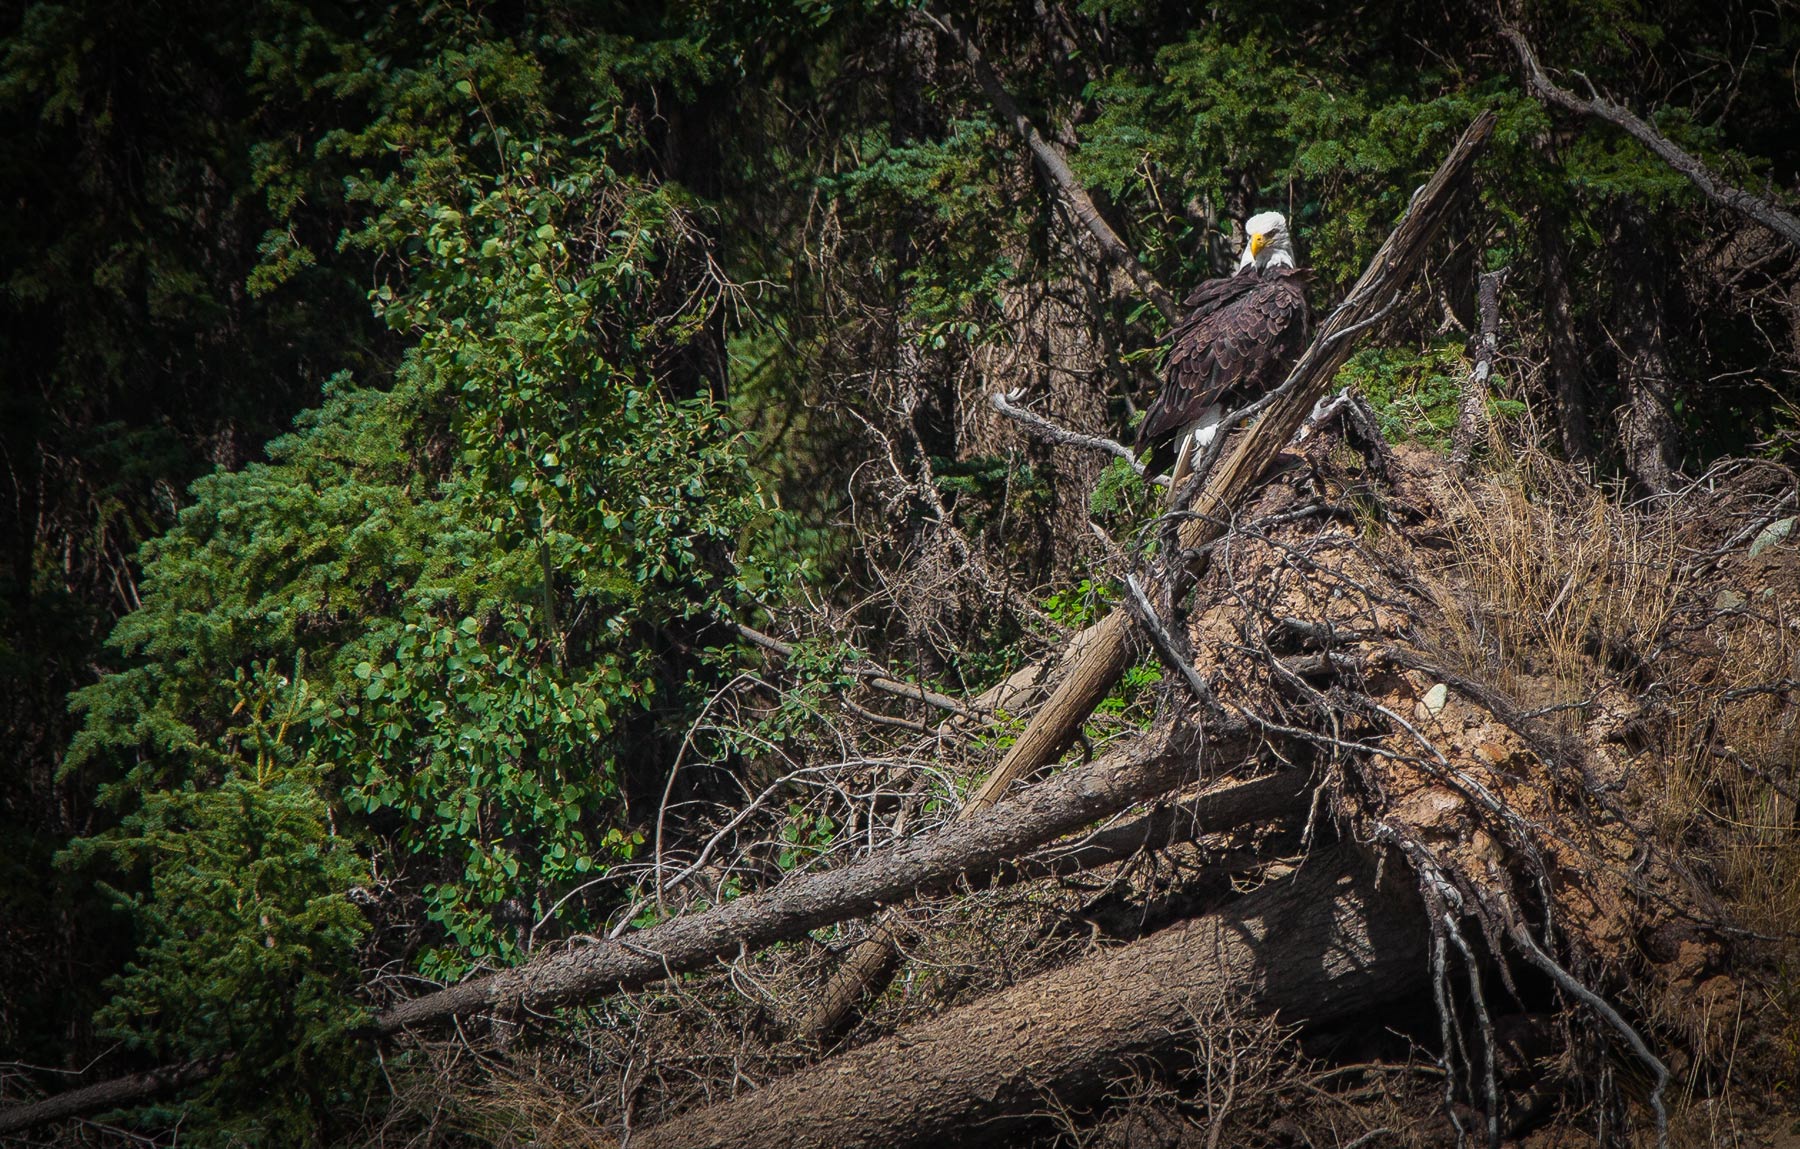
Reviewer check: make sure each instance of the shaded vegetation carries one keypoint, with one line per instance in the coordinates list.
(400, 407)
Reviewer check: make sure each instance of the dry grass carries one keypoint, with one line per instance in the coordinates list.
(1675, 654)
(1560, 583)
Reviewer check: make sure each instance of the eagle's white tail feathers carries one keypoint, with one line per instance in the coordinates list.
(1197, 436)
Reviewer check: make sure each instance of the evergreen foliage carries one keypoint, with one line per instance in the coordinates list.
(413, 392)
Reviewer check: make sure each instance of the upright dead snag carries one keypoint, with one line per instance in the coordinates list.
(1471, 412)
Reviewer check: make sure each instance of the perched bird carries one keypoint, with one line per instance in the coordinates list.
(1241, 335)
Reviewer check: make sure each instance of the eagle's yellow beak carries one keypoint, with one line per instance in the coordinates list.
(1257, 242)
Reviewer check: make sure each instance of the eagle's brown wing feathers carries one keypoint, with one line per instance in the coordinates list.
(1238, 340)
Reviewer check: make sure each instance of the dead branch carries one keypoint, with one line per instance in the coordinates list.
(1167, 647)
(1321, 945)
(1471, 412)
(875, 676)
(1782, 223)
(1056, 169)
(1220, 807)
(1110, 644)
(1051, 433)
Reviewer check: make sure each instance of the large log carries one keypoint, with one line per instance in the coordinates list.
(1322, 945)
(1111, 644)
(799, 905)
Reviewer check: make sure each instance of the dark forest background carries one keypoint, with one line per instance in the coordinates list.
(402, 401)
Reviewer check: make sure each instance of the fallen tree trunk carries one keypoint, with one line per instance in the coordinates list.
(1322, 945)
(799, 905)
(97, 1098)
(1111, 644)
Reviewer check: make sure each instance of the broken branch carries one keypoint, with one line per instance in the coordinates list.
(1782, 223)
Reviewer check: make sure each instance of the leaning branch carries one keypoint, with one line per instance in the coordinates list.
(1782, 223)
(1056, 169)
(795, 907)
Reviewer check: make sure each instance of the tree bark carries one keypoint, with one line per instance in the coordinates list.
(799, 905)
(1214, 810)
(1322, 945)
(1559, 333)
(1112, 643)
(1646, 422)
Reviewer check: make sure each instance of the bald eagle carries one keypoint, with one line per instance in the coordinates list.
(1240, 336)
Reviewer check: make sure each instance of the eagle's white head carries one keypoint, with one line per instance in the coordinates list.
(1266, 243)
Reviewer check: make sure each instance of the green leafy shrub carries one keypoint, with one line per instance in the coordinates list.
(248, 934)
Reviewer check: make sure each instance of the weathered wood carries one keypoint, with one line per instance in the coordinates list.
(98, 1098)
(1214, 810)
(799, 905)
(1322, 945)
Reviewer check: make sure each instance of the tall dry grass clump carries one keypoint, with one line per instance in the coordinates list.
(1563, 587)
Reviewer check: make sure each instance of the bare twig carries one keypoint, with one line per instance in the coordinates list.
(1166, 647)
